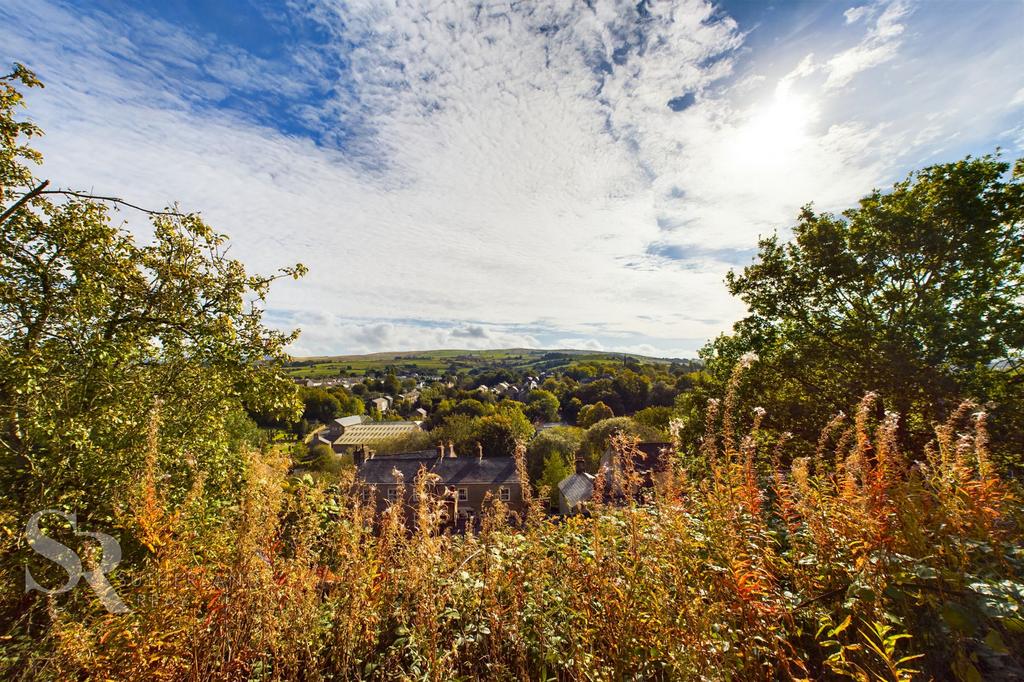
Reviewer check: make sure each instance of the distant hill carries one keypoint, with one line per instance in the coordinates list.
(449, 361)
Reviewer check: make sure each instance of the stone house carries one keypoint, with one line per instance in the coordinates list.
(463, 483)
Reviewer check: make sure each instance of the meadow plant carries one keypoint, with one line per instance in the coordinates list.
(862, 561)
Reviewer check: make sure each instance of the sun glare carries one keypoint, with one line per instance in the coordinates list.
(775, 130)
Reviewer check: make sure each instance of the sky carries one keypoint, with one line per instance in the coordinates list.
(461, 174)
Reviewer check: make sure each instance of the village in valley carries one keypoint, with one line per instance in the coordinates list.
(463, 427)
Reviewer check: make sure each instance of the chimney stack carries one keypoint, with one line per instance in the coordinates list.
(440, 449)
(451, 449)
(479, 451)
(581, 464)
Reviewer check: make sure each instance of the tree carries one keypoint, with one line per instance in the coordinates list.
(501, 432)
(591, 414)
(571, 409)
(597, 438)
(556, 467)
(324, 460)
(319, 405)
(391, 385)
(472, 407)
(654, 417)
(633, 389)
(462, 430)
(102, 338)
(561, 439)
(349, 403)
(664, 395)
(541, 406)
(917, 293)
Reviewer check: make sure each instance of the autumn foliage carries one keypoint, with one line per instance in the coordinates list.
(862, 561)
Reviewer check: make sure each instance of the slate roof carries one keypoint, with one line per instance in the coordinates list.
(352, 420)
(576, 488)
(488, 471)
(656, 457)
(381, 470)
(453, 471)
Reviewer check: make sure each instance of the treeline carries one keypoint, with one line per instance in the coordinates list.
(614, 389)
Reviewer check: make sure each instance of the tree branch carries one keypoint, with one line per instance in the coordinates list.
(115, 200)
(23, 200)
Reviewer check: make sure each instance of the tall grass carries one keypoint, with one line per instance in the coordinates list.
(862, 561)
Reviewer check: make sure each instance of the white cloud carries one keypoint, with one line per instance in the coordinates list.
(880, 45)
(855, 14)
(501, 177)
(327, 333)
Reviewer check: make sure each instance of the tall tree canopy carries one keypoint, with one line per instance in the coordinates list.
(99, 332)
(918, 294)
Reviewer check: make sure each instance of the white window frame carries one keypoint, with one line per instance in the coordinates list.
(504, 493)
(463, 494)
(393, 493)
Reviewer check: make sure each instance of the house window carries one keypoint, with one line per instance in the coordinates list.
(504, 494)
(393, 493)
(463, 494)
(465, 513)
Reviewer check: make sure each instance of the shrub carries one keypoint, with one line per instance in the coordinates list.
(861, 561)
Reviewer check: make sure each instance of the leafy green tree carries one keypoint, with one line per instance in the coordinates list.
(321, 452)
(565, 440)
(663, 395)
(350, 404)
(591, 414)
(460, 429)
(329, 463)
(556, 467)
(472, 407)
(391, 385)
(654, 417)
(917, 293)
(102, 337)
(541, 406)
(319, 405)
(601, 391)
(633, 389)
(597, 438)
(500, 432)
(571, 409)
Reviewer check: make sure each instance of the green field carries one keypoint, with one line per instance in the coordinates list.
(448, 361)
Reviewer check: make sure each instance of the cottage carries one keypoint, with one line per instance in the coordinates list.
(650, 462)
(382, 405)
(463, 482)
(575, 490)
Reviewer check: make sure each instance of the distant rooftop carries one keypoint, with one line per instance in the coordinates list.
(375, 432)
(452, 470)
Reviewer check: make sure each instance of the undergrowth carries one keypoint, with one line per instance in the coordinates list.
(863, 561)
